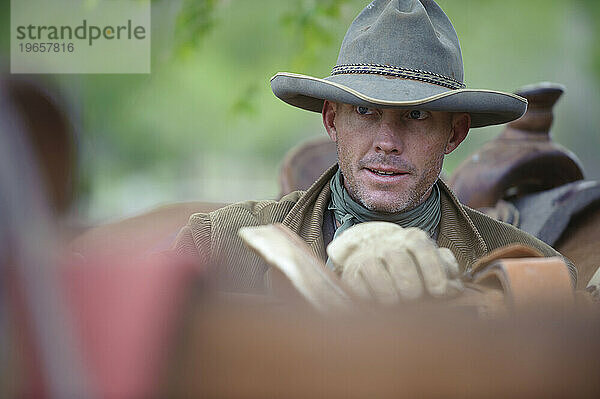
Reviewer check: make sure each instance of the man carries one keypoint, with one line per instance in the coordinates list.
(395, 105)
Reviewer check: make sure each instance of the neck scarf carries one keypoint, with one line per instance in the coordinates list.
(348, 212)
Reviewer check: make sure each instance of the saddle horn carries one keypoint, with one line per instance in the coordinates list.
(522, 159)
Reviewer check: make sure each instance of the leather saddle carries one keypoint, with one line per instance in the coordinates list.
(524, 178)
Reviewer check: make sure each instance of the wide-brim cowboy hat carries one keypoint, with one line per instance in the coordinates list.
(400, 54)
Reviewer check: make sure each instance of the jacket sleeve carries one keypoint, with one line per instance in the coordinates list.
(194, 240)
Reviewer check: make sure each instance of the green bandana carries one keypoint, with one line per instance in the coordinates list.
(348, 212)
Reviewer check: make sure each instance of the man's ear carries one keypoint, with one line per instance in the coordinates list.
(461, 123)
(328, 112)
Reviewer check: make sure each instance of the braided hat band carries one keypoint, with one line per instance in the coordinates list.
(399, 72)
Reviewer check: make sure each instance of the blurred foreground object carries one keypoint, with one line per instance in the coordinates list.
(150, 232)
(245, 351)
(523, 178)
(71, 328)
(124, 318)
(28, 260)
(50, 132)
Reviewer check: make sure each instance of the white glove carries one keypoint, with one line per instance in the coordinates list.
(385, 263)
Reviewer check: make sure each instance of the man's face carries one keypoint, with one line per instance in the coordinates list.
(390, 158)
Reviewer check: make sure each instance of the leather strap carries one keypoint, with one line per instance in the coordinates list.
(508, 251)
(538, 283)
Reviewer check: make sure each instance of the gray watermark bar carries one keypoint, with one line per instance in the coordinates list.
(77, 36)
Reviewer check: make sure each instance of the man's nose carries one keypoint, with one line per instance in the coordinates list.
(388, 138)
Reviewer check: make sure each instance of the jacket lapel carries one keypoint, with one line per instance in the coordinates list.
(306, 217)
(457, 231)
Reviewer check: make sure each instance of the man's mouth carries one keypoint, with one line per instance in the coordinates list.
(386, 172)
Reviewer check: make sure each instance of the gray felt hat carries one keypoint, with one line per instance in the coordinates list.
(400, 54)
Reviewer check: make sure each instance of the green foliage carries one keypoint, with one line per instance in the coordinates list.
(195, 21)
(246, 103)
(311, 20)
(592, 11)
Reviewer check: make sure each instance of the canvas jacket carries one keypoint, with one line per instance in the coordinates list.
(212, 237)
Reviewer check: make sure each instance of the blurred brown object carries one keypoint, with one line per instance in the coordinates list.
(152, 231)
(304, 163)
(522, 159)
(243, 351)
(48, 126)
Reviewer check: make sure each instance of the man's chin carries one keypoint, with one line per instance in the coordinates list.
(381, 199)
(385, 205)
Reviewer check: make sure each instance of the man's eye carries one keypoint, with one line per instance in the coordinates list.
(364, 110)
(418, 115)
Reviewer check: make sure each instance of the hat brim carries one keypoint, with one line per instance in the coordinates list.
(486, 107)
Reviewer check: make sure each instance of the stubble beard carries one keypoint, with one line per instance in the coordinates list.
(403, 201)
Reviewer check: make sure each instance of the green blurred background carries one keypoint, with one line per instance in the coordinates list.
(204, 124)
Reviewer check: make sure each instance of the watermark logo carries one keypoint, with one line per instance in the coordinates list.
(76, 36)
